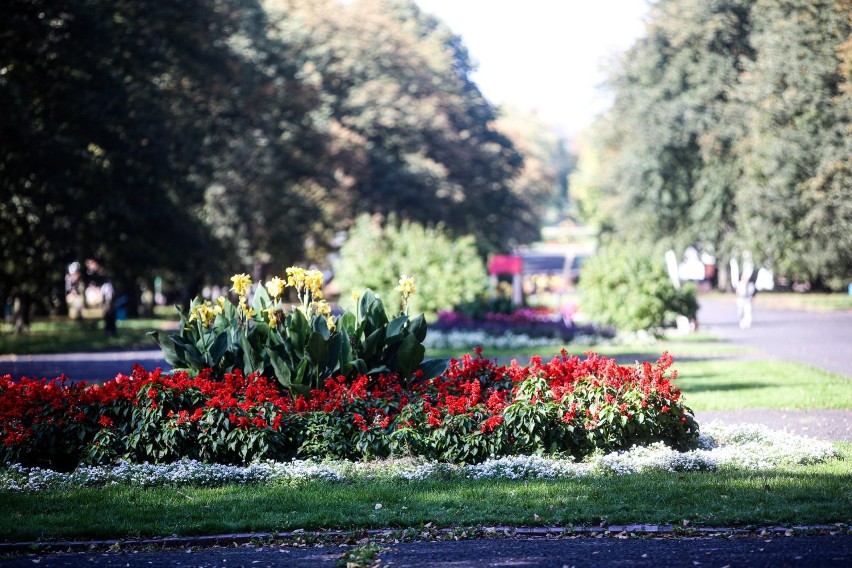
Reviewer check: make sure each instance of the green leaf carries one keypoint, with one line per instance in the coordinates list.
(317, 350)
(417, 327)
(252, 358)
(167, 346)
(373, 344)
(409, 355)
(301, 372)
(218, 348)
(299, 331)
(347, 323)
(261, 299)
(433, 367)
(395, 329)
(280, 366)
(320, 325)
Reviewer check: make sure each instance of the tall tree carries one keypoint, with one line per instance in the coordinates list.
(102, 135)
(794, 203)
(669, 138)
(410, 131)
(543, 179)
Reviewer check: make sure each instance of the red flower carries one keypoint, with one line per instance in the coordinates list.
(360, 422)
(491, 424)
(105, 421)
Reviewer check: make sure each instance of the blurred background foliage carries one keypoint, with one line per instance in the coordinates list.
(196, 139)
(448, 271)
(731, 128)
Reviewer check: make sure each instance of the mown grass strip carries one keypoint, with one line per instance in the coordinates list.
(732, 385)
(812, 494)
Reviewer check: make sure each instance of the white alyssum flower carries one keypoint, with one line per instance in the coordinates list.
(721, 446)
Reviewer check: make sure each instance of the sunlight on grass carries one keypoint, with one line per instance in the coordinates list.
(728, 385)
(810, 494)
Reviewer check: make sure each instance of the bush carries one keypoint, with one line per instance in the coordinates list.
(629, 289)
(448, 271)
(475, 410)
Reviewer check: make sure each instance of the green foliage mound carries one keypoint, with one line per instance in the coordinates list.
(629, 289)
(449, 271)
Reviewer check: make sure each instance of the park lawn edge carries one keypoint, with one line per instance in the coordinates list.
(814, 494)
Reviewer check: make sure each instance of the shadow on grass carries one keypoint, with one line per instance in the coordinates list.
(695, 388)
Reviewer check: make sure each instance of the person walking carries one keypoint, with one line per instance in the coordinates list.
(745, 291)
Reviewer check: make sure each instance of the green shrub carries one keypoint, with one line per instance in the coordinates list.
(448, 271)
(628, 288)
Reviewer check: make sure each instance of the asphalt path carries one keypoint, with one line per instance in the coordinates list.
(772, 551)
(820, 339)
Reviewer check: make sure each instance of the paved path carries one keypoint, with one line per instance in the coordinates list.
(821, 339)
(91, 367)
(770, 551)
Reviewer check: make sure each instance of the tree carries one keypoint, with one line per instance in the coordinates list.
(102, 136)
(793, 206)
(447, 271)
(410, 132)
(670, 136)
(543, 179)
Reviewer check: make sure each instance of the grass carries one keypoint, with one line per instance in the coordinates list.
(732, 385)
(809, 494)
(61, 335)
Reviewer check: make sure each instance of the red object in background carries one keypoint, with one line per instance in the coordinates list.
(505, 264)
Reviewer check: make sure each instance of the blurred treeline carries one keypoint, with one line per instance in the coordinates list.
(199, 138)
(732, 130)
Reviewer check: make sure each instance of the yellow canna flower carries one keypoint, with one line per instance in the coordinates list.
(323, 308)
(295, 277)
(406, 285)
(355, 296)
(329, 321)
(273, 315)
(221, 301)
(275, 287)
(205, 313)
(242, 283)
(313, 280)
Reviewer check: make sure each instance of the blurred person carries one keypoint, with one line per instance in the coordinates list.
(745, 291)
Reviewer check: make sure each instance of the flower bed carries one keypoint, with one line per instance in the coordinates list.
(531, 322)
(722, 447)
(474, 411)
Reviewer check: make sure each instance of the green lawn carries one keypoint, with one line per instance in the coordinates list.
(729, 385)
(812, 494)
(62, 335)
(680, 346)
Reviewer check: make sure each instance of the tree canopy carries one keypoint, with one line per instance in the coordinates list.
(196, 137)
(730, 130)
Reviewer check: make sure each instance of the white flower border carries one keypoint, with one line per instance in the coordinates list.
(743, 447)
